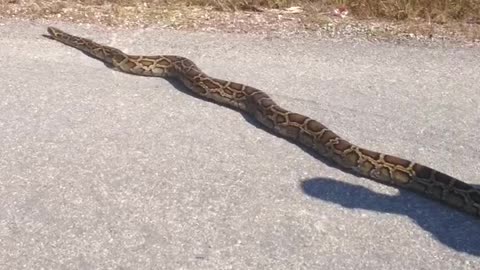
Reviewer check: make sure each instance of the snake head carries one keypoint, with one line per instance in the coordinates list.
(55, 34)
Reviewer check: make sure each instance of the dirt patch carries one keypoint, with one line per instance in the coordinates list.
(266, 17)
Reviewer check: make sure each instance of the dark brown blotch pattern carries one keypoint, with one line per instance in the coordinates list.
(396, 160)
(315, 126)
(422, 171)
(296, 118)
(326, 137)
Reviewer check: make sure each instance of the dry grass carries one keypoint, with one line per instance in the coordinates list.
(415, 15)
(441, 11)
(432, 10)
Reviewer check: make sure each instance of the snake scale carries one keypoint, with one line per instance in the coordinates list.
(383, 168)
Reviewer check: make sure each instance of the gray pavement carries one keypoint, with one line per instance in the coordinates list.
(104, 170)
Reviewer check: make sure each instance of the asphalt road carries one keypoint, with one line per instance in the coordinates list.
(105, 170)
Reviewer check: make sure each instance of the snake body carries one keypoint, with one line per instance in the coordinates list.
(383, 168)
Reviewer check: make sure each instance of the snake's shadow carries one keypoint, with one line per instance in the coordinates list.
(454, 229)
